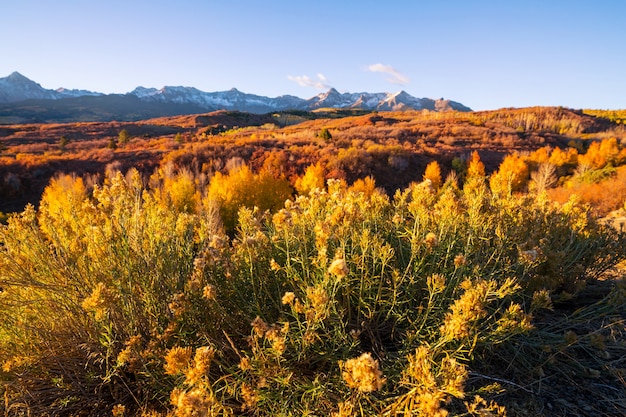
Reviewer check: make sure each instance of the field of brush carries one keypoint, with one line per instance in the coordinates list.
(397, 264)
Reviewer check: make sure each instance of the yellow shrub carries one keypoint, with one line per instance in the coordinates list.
(559, 157)
(511, 176)
(313, 178)
(433, 174)
(475, 167)
(182, 192)
(243, 188)
(62, 202)
(600, 154)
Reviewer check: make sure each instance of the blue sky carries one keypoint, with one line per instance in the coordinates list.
(486, 54)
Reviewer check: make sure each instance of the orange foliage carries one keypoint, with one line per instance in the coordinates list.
(433, 174)
(511, 176)
(604, 196)
(560, 157)
(367, 186)
(540, 156)
(276, 163)
(181, 192)
(313, 178)
(392, 147)
(602, 153)
(475, 167)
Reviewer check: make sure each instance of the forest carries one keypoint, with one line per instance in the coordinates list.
(337, 263)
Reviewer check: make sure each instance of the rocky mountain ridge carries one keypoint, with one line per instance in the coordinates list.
(20, 95)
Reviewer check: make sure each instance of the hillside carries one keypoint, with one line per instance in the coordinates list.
(393, 147)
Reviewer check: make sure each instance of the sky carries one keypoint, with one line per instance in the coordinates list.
(485, 54)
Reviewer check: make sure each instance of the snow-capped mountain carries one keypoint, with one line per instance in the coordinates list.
(16, 88)
(234, 99)
(334, 99)
(405, 101)
(65, 93)
(381, 101)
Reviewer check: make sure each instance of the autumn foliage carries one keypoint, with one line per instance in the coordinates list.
(242, 188)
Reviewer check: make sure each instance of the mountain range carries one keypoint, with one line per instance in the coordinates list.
(23, 101)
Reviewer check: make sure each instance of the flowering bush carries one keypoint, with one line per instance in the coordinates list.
(344, 301)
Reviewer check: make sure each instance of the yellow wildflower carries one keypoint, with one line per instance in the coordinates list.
(480, 407)
(338, 268)
(466, 310)
(177, 360)
(276, 336)
(541, 300)
(250, 397)
(419, 370)
(259, 326)
(436, 283)
(429, 389)
(514, 319)
(119, 410)
(100, 301)
(460, 260)
(195, 283)
(178, 305)
(274, 266)
(201, 365)
(429, 403)
(310, 337)
(129, 356)
(317, 296)
(288, 298)
(431, 240)
(298, 307)
(244, 363)
(197, 402)
(318, 299)
(362, 373)
(209, 292)
(346, 409)
(453, 376)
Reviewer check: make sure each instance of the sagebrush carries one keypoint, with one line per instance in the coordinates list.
(125, 297)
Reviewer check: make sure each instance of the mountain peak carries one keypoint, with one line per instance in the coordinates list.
(17, 87)
(332, 93)
(16, 76)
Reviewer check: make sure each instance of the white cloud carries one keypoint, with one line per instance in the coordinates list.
(320, 82)
(396, 77)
